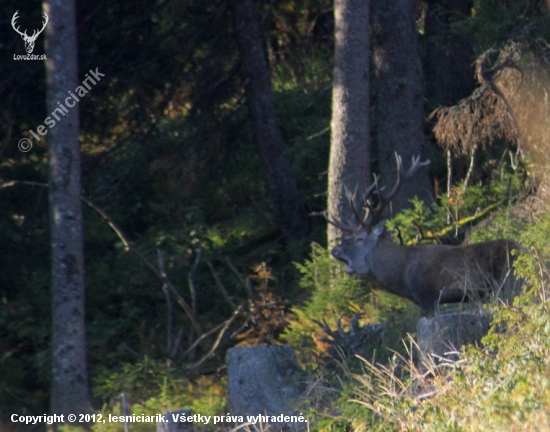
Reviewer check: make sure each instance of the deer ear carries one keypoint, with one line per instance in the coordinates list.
(379, 229)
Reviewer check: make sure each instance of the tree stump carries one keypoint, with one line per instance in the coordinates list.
(440, 337)
(264, 380)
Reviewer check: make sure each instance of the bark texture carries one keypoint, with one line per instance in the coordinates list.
(449, 58)
(399, 97)
(349, 163)
(274, 157)
(69, 393)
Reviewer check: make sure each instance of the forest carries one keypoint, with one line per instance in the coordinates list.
(176, 174)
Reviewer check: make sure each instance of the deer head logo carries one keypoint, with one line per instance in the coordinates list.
(29, 40)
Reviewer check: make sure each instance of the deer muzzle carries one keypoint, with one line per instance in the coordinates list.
(339, 255)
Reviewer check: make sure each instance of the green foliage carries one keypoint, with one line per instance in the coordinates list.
(493, 22)
(140, 380)
(465, 208)
(532, 264)
(332, 294)
(324, 280)
(150, 387)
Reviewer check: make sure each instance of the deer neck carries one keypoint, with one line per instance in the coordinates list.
(389, 263)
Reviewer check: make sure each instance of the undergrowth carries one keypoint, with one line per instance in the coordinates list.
(502, 385)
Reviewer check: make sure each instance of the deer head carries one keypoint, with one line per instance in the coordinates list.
(358, 250)
(367, 226)
(29, 40)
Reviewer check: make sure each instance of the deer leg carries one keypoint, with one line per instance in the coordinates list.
(427, 302)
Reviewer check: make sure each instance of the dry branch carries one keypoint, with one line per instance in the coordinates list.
(476, 121)
(221, 286)
(511, 103)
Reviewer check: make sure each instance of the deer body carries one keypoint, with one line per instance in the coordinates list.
(427, 274)
(430, 274)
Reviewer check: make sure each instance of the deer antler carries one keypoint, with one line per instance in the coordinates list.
(341, 226)
(45, 21)
(373, 214)
(356, 203)
(15, 16)
(359, 204)
(35, 32)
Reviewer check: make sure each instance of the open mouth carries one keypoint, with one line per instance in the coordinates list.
(336, 253)
(349, 266)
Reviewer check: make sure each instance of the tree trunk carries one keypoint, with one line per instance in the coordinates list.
(399, 97)
(449, 57)
(276, 163)
(69, 393)
(349, 164)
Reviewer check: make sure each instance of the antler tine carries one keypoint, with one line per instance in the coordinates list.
(340, 226)
(401, 175)
(415, 165)
(13, 20)
(367, 202)
(45, 20)
(369, 191)
(356, 204)
(349, 194)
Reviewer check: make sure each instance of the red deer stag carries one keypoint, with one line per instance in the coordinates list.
(428, 275)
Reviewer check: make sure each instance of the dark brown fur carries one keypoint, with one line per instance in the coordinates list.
(430, 275)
